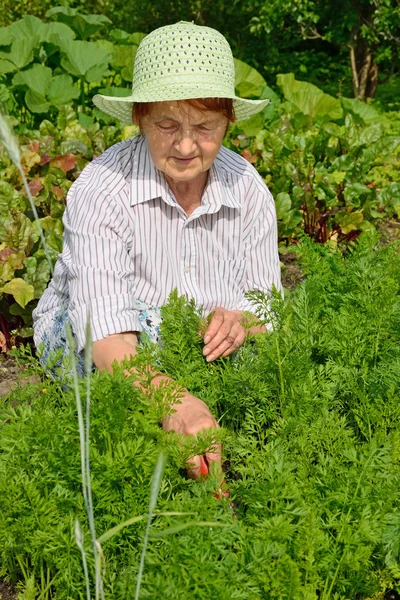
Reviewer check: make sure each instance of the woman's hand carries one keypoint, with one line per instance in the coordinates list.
(190, 417)
(225, 333)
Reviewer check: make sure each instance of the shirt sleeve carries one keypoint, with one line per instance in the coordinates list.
(100, 270)
(261, 245)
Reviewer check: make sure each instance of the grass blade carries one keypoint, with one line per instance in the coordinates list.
(177, 528)
(154, 491)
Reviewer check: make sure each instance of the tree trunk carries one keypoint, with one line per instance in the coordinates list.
(363, 69)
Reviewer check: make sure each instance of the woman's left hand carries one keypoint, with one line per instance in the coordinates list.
(225, 333)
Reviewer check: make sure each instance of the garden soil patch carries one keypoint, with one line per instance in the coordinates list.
(291, 270)
(7, 592)
(12, 376)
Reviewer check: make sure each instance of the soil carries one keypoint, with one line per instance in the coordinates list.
(389, 231)
(291, 271)
(7, 591)
(12, 377)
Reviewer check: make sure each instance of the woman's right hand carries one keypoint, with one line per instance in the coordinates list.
(190, 417)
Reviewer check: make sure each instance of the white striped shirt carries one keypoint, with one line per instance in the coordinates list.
(126, 238)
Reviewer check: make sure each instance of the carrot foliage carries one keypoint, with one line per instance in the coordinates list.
(310, 423)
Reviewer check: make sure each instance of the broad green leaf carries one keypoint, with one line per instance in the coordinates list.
(83, 25)
(136, 38)
(23, 292)
(25, 313)
(36, 102)
(6, 66)
(97, 72)
(10, 261)
(5, 36)
(308, 98)
(36, 274)
(23, 233)
(355, 192)
(56, 31)
(390, 195)
(294, 217)
(270, 110)
(249, 83)
(119, 35)
(396, 208)
(116, 92)
(367, 227)
(84, 59)
(5, 94)
(362, 113)
(85, 120)
(30, 265)
(252, 126)
(102, 116)
(32, 28)
(61, 90)
(10, 199)
(336, 177)
(20, 53)
(283, 203)
(107, 45)
(23, 332)
(50, 224)
(333, 129)
(48, 129)
(37, 78)
(371, 134)
(123, 58)
(29, 27)
(349, 221)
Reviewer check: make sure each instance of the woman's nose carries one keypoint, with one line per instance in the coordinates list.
(186, 141)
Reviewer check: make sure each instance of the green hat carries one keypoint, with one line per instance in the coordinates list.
(180, 62)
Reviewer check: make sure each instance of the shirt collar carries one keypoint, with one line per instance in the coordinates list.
(149, 183)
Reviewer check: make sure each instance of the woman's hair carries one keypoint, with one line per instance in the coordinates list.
(219, 105)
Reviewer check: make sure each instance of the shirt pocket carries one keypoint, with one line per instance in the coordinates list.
(230, 268)
(228, 281)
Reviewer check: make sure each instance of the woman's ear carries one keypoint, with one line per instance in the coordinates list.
(135, 122)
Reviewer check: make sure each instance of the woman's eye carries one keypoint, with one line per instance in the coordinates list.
(167, 127)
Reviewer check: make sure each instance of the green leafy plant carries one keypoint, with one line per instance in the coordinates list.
(332, 165)
(310, 423)
(51, 159)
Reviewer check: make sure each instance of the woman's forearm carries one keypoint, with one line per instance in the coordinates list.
(117, 348)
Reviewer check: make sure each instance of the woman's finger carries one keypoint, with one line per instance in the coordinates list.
(227, 346)
(214, 460)
(229, 333)
(193, 467)
(217, 319)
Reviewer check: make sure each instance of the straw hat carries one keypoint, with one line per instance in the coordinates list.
(180, 62)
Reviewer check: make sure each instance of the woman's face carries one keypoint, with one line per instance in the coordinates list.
(183, 141)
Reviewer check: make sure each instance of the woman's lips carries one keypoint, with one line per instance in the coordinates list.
(184, 161)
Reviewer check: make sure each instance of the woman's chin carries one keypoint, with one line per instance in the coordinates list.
(183, 173)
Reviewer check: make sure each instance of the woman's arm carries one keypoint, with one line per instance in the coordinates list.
(190, 415)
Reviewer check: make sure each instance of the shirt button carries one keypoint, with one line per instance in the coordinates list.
(187, 269)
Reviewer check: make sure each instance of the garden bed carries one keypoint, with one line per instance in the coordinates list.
(311, 427)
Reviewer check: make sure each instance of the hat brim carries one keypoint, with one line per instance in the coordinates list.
(120, 107)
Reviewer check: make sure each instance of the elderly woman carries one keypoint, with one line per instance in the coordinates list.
(168, 209)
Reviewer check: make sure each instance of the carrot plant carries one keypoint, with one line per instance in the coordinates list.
(311, 431)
